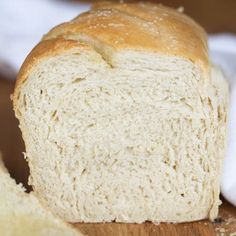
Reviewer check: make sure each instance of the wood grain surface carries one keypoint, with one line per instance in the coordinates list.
(12, 147)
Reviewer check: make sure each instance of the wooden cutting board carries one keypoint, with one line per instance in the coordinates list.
(225, 225)
(11, 145)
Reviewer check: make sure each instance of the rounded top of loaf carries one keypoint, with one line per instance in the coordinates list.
(138, 26)
(113, 28)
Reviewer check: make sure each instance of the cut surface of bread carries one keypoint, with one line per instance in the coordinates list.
(21, 213)
(123, 117)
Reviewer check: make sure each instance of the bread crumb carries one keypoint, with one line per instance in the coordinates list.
(180, 9)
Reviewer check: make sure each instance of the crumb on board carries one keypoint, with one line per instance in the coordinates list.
(180, 9)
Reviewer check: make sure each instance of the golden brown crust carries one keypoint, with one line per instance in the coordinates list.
(135, 26)
(147, 27)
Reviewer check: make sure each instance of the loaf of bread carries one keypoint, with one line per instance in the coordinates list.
(22, 215)
(124, 117)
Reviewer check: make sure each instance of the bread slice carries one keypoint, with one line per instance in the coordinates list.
(124, 117)
(21, 213)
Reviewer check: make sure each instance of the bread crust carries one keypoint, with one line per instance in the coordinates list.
(136, 26)
(124, 26)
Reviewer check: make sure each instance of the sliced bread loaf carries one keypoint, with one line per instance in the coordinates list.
(22, 215)
(124, 117)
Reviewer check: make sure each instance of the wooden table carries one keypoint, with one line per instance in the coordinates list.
(12, 147)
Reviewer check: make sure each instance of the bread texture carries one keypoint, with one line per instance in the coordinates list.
(124, 117)
(21, 214)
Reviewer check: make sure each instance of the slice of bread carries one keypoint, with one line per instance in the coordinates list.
(124, 117)
(22, 215)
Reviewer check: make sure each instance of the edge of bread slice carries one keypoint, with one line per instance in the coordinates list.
(21, 213)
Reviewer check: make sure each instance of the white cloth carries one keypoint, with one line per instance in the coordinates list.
(223, 52)
(23, 22)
